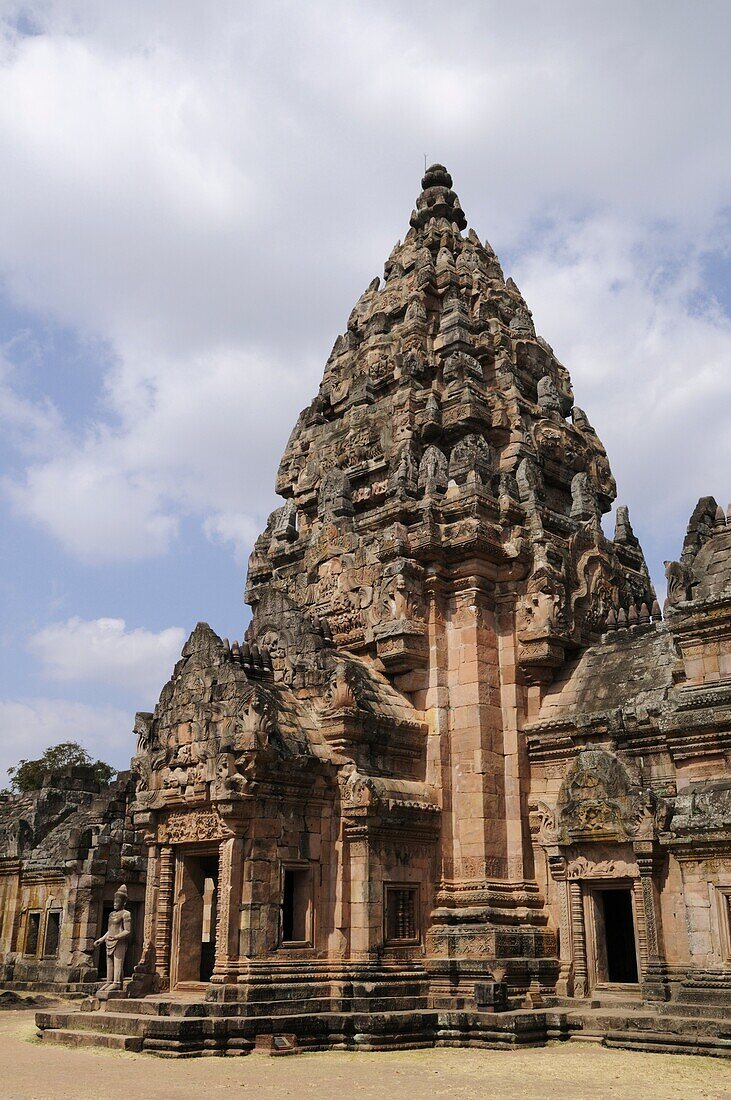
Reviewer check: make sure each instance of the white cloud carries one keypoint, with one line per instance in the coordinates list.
(649, 352)
(203, 444)
(35, 427)
(29, 726)
(232, 528)
(208, 189)
(105, 651)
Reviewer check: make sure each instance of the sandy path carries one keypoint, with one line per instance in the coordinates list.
(30, 1071)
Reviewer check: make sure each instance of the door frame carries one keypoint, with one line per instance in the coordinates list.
(594, 922)
(181, 853)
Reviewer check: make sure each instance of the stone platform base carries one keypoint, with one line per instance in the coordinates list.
(182, 1029)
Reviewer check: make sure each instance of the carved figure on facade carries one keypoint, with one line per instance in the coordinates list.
(584, 503)
(598, 799)
(433, 474)
(471, 455)
(356, 789)
(593, 594)
(339, 695)
(460, 366)
(115, 940)
(284, 522)
(143, 731)
(679, 581)
(404, 478)
(255, 721)
(335, 497)
(541, 612)
(549, 399)
(399, 597)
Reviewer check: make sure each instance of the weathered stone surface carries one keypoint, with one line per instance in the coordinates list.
(458, 760)
(64, 850)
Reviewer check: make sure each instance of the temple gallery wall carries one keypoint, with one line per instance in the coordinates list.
(460, 764)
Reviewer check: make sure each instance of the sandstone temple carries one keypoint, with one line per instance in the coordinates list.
(461, 781)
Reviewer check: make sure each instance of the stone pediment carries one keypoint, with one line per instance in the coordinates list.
(599, 800)
(221, 720)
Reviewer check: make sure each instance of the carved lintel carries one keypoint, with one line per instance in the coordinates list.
(581, 867)
(186, 827)
(545, 652)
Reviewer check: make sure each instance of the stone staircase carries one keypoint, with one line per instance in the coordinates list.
(190, 1026)
(617, 1020)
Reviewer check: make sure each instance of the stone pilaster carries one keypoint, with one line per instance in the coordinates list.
(557, 866)
(476, 749)
(164, 922)
(578, 937)
(366, 888)
(647, 908)
(230, 858)
(144, 976)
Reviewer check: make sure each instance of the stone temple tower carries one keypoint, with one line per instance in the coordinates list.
(443, 497)
(459, 766)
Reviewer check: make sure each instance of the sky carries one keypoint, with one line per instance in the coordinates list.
(193, 197)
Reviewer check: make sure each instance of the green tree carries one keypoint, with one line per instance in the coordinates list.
(27, 775)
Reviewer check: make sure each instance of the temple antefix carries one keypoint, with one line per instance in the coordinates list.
(458, 766)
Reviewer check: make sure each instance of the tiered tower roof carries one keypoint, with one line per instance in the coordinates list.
(444, 438)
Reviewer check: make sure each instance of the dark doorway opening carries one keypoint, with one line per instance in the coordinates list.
(619, 935)
(53, 934)
(33, 933)
(296, 905)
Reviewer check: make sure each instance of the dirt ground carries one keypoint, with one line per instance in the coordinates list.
(30, 1071)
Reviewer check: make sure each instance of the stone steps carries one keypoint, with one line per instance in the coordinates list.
(108, 1040)
(660, 1042)
(98, 1023)
(213, 1032)
(251, 1009)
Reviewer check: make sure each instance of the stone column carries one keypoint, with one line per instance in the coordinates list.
(230, 866)
(164, 922)
(144, 974)
(364, 914)
(515, 764)
(578, 939)
(648, 920)
(476, 748)
(151, 889)
(557, 867)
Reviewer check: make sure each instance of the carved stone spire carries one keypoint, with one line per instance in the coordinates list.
(437, 200)
(439, 395)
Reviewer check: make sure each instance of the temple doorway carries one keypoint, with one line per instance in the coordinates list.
(615, 944)
(194, 926)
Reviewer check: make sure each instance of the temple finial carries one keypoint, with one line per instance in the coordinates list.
(437, 200)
